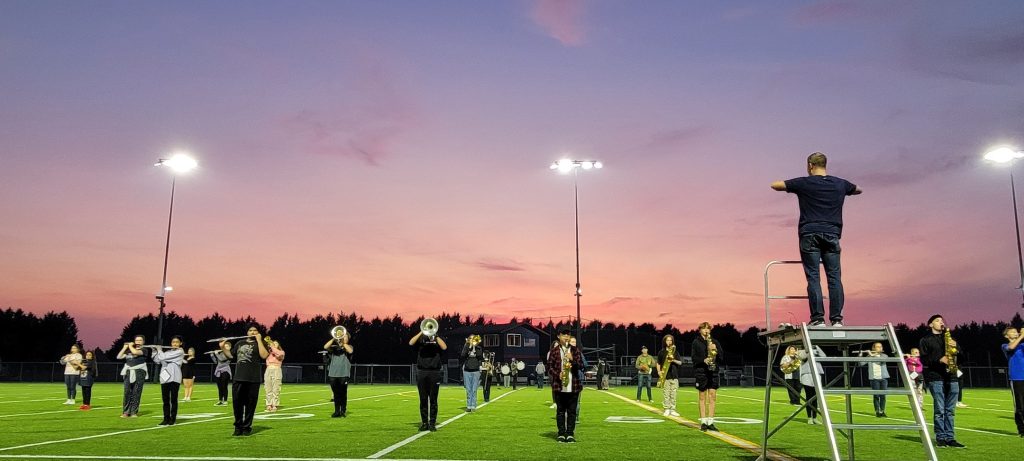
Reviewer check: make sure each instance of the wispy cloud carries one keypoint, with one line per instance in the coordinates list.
(677, 138)
(560, 19)
(500, 264)
(993, 56)
(366, 126)
(926, 163)
(842, 10)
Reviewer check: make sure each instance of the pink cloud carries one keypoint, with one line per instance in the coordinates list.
(561, 19)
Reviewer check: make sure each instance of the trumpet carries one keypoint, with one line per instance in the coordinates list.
(339, 332)
(428, 327)
(228, 338)
(268, 341)
(473, 340)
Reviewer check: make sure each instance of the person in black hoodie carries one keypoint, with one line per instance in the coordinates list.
(706, 356)
(941, 383)
(471, 355)
(428, 376)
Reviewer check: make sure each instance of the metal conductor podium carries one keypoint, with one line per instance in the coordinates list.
(844, 339)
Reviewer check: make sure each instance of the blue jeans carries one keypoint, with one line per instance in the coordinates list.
(822, 249)
(944, 406)
(540, 381)
(643, 380)
(472, 383)
(879, 384)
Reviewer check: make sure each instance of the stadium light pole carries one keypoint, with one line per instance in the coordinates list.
(179, 162)
(1007, 155)
(566, 166)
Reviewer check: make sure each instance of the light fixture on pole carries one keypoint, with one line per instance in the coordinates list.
(1007, 155)
(179, 162)
(565, 166)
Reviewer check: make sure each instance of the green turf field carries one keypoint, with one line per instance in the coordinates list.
(516, 425)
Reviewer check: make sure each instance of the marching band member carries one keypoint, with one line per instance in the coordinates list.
(878, 377)
(135, 375)
(71, 361)
(428, 376)
(487, 375)
(188, 373)
(669, 364)
(807, 380)
(273, 374)
(581, 375)
(790, 367)
(1014, 352)
(644, 364)
(916, 370)
(513, 369)
(470, 355)
(222, 372)
(563, 364)
(245, 391)
(706, 354)
(506, 377)
(939, 354)
(540, 372)
(602, 374)
(554, 394)
(339, 372)
(170, 378)
(88, 371)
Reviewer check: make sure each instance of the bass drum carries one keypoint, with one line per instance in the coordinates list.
(520, 366)
(505, 369)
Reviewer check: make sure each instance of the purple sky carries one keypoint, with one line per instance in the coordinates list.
(391, 157)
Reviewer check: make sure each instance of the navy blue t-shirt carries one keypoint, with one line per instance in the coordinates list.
(821, 202)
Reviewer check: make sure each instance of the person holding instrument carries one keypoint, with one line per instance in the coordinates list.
(706, 353)
(1014, 352)
(87, 372)
(564, 363)
(273, 374)
(939, 357)
(471, 355)
(170, 378)
(428, 371)
(71, 361)
(245, 391)
(222, 374)
(670, 363)
(135, 375)
(188, 373)
(339, 369)
(878, 376)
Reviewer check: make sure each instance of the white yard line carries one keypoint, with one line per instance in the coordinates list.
(55, 400)
(424, 433)
(727, 438)
(191, 458)
(151, 428)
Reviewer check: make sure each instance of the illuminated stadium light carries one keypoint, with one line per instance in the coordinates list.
(1003, 154)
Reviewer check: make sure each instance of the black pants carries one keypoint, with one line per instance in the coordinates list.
(86, 395)
(339, 387)
(812, 407)
(794, 391)
(429, 383)
(243, 399)
(565, 416)
(487, 386)
(515, 381)
(222, 386)
(1017, 388)
(169, 394)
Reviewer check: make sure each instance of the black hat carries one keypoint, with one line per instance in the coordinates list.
(932, 318)
(565, 331)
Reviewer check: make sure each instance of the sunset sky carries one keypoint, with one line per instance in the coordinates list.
(391, 157)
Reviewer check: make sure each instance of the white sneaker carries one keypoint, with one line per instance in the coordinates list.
(69, 402)
(811, 421)
(958, 405)
(837, 324)
(553, 406)
(673, 413)
(666, 412)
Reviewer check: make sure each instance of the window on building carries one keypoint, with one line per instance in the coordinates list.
(514, 340)
(490, 340)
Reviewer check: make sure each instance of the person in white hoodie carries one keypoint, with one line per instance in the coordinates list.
(807, 380)
(170, 378)
(71, 372)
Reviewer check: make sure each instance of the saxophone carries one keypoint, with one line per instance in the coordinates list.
(566, 369)
(712, 354)
(951, 351)
(670, 353)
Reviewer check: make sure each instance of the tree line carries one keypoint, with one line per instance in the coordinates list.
(27, 337)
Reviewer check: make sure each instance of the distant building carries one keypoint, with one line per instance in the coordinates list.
(521, 341)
